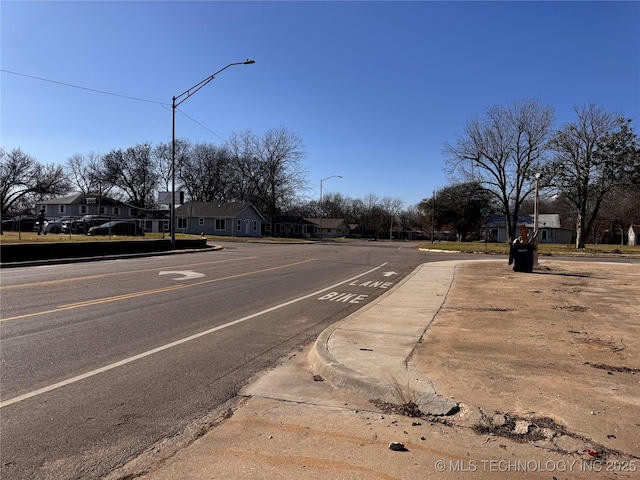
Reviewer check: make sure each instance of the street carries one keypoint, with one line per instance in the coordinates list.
(102, 361)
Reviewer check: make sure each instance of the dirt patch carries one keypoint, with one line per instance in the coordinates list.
(563, 346)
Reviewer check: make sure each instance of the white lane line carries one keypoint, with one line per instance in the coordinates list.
(106, 368)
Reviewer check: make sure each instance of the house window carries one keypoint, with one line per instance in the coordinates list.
(221, 223)
(267, 228)
(255, 225)
(201, 222)
(165, 225)
(84, 209)
(102, 209)
(62, 209)
(116, 210)
(182, 223)
(238, 225)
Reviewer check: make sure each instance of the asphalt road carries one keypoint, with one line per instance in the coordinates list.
(103, 361)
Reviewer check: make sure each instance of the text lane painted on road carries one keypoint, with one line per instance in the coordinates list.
(371, 284)
(349, 297)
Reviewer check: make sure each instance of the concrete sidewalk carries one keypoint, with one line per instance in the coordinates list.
(313, 416)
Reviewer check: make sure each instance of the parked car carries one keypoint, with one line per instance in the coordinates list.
(24, 223)
(116, 227)
(83, 224)
(53, 225)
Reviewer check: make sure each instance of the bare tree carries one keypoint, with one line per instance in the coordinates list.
(206, 173)
(503, 151)
(132, 170)
(162, 158)
(593, 155)
(335, 205)
(270, 168)
(24, 180)
(86, 172)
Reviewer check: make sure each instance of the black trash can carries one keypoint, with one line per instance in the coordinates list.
(522, 257)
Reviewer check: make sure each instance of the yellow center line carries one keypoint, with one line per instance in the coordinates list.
(102, 275)
(116, 298)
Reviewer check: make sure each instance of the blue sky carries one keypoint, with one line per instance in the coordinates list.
(374, 89)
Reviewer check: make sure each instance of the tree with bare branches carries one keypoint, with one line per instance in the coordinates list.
(270, 167)
(24, 180)
(132, 170)
(503, 151)
(593, 156)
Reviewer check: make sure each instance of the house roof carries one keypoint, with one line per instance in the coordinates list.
(214, 209)
(81, 199)
(545, 220)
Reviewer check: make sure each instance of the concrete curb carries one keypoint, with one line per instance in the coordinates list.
(401, 382)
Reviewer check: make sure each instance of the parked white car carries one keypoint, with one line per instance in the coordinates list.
(54, 225)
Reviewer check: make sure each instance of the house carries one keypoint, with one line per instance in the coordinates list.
(549, 228)
(211, 218)
(634, 235)
(81, 204)
(154, 221)
(330, 227)
(289, 226)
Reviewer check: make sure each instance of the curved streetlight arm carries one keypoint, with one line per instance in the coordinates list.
(186, 94)
(202, 83)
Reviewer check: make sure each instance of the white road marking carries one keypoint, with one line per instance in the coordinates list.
(106, 368)
(186, 274)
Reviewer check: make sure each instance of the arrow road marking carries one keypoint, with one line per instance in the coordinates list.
(186, 274)
(388, 274)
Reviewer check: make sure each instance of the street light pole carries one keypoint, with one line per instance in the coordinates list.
(332, 176)
(176, 101)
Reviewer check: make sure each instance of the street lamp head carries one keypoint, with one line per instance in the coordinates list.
(249, 62)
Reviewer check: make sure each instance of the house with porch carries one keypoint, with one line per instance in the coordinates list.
(289, 226)
(298, 227)
(219, 218)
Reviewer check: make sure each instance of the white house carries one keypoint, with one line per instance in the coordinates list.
(549, 228)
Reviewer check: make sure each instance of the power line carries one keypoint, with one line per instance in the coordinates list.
(82, 88)
(113, 94)
(207, 129)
